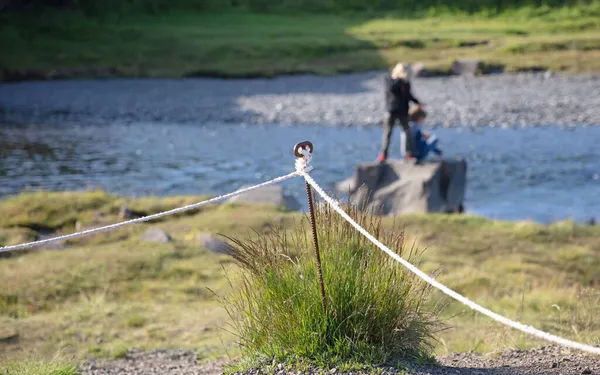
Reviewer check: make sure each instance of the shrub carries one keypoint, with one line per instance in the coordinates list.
(375, 309)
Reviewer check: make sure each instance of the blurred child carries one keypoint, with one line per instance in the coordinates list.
(398, 95)
(424, 141)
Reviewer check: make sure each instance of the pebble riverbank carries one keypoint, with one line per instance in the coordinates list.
(346, 100)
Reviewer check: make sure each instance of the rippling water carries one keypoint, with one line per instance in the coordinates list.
(543, 174)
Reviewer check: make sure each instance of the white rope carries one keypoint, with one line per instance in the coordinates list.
(499, 318)
(302, 168)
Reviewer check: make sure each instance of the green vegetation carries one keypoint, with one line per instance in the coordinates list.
(244, 43)
(104, 7)
(99, 296)
(103, 293)
(38, 368)
(374, 309)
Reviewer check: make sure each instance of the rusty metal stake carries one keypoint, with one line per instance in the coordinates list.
(311, 210)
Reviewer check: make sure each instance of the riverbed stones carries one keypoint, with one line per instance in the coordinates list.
(524, 99)
(399, 187)
(156, 235)
(273, 195)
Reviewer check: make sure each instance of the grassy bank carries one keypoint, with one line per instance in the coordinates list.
(102, 295)
(242, 43)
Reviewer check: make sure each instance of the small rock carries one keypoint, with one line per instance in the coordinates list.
(214, 244)
(554, 365)
(465, 67)
(98, 340)
(269, 195)
(156, 235)
(587, 371)
(126, 213)
(8, 335)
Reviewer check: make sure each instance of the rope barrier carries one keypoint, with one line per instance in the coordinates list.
(300, 168)
(499, 318)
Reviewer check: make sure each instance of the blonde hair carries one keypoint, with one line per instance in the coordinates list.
(401, 71)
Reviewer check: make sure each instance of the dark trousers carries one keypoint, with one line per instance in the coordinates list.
(388, 124)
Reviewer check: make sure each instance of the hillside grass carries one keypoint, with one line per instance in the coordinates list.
(100, 296)
(67, 44)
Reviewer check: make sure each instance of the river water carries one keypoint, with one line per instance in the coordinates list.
(543, 174)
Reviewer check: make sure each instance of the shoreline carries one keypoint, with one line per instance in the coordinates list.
(502, 100)
(473, 214)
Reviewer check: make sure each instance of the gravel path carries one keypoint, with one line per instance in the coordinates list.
(347, 100)
(543, 360)
(155, 362)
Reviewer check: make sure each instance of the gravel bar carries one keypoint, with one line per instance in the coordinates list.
(542, 360)
(526, 99)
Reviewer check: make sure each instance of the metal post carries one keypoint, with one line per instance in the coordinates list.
(308, 145)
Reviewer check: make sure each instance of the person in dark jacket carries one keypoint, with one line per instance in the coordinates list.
(398, 96)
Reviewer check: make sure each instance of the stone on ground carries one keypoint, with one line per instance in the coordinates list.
(269, 195)
(465, 67)
(156, 235)
(212, 243)
(399, 187)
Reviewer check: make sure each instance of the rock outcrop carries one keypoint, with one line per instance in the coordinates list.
(269, 195)
(399, 187)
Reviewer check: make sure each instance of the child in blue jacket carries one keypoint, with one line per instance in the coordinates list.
(424, 141)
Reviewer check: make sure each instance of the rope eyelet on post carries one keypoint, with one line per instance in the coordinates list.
(303, 152)
(301, 146)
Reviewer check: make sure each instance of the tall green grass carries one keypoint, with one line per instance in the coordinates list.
(375, 310)
(37, 368)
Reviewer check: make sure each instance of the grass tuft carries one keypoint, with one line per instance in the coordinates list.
(38, 368)
(375, 311)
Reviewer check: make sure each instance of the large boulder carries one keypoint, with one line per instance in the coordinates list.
(272, 195)
(399, 187)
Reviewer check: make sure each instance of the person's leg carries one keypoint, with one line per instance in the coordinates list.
(388, 124)
(410, 142)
